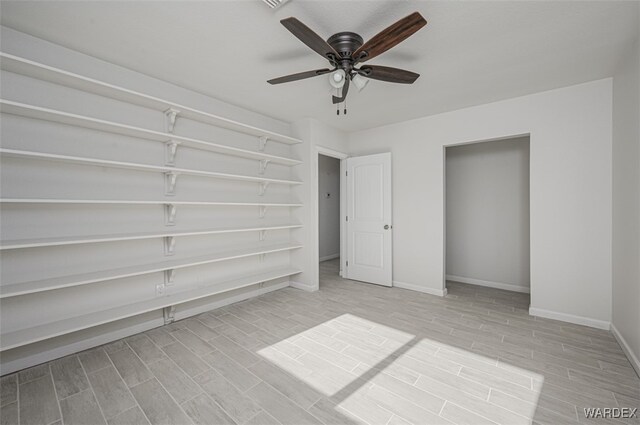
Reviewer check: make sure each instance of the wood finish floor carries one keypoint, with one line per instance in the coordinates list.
(350, 353)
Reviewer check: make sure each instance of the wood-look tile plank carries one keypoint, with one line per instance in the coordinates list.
(81, 409)
(200, 329)
(204, 411)
(192, 341)
(160, 336)
(239, 323)
(8, 389)
(133, 416)
(142, 345)
(94, 359)
(9, 414)
(296, 389)
(37, 401)
(191, 364)
(32, 373)
(262, 418)
(130, 367)
(332, 356)
(174, 380)
(462, 416)
(68, 376)
(331, 414)
(402, 407)
(111, 392)
(281, 407)
(242, 356)
(479, 406)
(240, 407)
(231, 370)
(157, 404)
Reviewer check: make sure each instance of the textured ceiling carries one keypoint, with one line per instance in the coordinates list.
(470, 53)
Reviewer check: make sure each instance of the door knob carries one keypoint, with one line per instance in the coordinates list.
(386, 227)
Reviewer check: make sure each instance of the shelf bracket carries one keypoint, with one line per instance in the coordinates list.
(160, 289)
(170, 180)
(171, 117)
(263, 165)
(169, 314)
(263, 234)
(263, 188)
(171, 148)
(169, 245)
(262, 143)
(263, 210)
(262, 257)
(169, 276)
(170, 211)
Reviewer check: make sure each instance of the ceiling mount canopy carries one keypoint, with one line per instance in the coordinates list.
(345, 50)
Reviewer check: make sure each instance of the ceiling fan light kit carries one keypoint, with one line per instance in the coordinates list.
(337, 78)
(345, 50)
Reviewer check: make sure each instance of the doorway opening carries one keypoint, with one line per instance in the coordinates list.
(329, 216)
(487, 219)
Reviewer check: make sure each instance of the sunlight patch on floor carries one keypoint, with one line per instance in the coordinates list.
(358, 364)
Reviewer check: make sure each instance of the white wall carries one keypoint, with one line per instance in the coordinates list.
(315, 134)
(570, 193)
(48, 179)
(487, 214)
(626, 204)
(329, 207)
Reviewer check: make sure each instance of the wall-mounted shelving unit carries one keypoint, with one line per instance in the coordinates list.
(30, 111)
(61, 327)
(143, 202)
(54, 75)
(139, 167)
(169, 290)
(31, 287)
(43, 242)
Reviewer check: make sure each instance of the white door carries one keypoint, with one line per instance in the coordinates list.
(369, 226)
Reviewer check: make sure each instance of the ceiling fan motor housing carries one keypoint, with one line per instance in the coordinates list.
(345, 43)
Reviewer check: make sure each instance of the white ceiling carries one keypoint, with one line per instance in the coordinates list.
(470, 53)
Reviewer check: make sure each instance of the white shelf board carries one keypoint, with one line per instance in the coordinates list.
(36, 112)
(54, 75)
(42, 242)
(141, 202)
(52, 329)
(139, 167)
(23, 288)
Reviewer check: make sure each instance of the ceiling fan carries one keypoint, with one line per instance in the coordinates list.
(345, 50)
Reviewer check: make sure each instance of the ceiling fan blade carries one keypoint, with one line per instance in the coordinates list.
(298, 76)
(310, 38)
(390, 37)
(343, 95)
(391, 75)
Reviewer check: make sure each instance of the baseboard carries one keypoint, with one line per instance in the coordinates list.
(329, 257)
(105, 338)
(570, 318)
(419, 288)
(497, 285)
(633, 359)
(304, 286)
(183, 314)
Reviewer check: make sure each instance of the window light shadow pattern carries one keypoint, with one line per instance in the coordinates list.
(374, 355)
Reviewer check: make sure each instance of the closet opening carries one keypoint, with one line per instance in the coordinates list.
(329, 216)
(487, 221)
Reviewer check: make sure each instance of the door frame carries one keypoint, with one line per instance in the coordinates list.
(315, 249)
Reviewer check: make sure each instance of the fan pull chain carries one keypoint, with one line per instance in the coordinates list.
(337, 104)
(345, 106)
